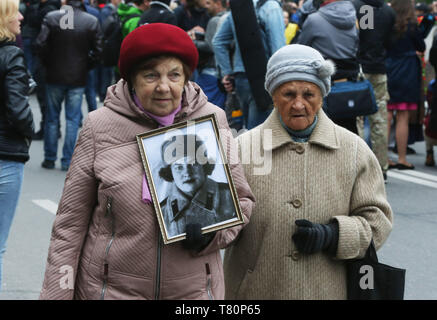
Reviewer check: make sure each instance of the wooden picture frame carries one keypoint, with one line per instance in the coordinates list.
(189, 178)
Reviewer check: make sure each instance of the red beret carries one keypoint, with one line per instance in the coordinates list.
(155, 39)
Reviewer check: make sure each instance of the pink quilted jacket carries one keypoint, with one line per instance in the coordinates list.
(105, 242)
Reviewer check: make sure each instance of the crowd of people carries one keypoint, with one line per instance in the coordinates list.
(271, 63)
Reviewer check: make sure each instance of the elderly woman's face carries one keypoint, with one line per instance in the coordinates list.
(160, 88)
(188, 177)
(297, 103)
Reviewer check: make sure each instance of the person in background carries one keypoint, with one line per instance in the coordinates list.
(92, 81)
(291, 7)
(34, 14)
(374, 40)
(106, 74)
(434, 8)
(106, 227)
(192, 16)
(322, 202)
(109, 9)
(333, 31)
(66, 55)
(404, 74)
(291, 28)
(159, 11)
(16, 120)
(232, 70)
(430, 130)
(130, 13)
(206, 75)
(425, 18)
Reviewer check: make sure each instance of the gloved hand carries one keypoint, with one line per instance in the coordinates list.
(195, 240)
(314, 237)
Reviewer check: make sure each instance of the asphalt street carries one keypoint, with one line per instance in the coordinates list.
(411, 245)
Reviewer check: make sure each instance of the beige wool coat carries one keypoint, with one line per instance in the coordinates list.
(332, 176)
(106, 243)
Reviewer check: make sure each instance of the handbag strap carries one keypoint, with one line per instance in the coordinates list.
(371, 252)
(361, 76)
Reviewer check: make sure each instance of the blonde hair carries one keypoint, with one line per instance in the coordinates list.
(8, 11)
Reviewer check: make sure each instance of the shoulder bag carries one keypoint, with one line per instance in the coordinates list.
(368, 279)
(350, 99)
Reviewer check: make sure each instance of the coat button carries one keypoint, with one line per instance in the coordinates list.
(300, 149)
(295, 255)
(296, 203)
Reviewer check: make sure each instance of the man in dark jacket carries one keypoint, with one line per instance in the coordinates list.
(192, 15)
(159, 11)
(374, 40)
(69, 43)
(106, 73)
(109, 9)
(33, 16)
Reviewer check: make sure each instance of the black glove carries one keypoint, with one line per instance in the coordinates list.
(195, 240)
(314, 237)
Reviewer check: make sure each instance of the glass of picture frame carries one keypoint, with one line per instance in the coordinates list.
(189, 178)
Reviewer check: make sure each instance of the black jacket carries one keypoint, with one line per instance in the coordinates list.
(374, 41)
(16, 120)
(158, 12)
(34, 15)
(187, 19)
(68, 53)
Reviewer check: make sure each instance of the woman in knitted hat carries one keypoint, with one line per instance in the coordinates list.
(323, 200)
(106, 242)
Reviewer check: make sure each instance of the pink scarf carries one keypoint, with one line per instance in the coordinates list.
(163, 122)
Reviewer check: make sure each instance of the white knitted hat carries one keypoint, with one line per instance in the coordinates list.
(299, 62)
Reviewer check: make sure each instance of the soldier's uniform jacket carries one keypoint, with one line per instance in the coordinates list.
(210, 205)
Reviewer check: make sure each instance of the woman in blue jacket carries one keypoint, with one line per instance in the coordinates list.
(403, 75)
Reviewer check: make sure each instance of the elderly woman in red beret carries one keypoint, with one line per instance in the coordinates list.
(106, 242)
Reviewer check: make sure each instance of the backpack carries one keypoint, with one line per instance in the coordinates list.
(112, 38)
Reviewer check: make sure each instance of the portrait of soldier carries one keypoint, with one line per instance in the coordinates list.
(192, 197)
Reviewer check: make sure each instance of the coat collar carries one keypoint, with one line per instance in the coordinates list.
(183, 201)
(324, 133)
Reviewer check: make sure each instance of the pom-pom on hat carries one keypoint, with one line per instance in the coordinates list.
(155, 39)
(299, 62)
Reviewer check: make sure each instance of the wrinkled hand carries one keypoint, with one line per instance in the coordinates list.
(195, 240)
(314, 237)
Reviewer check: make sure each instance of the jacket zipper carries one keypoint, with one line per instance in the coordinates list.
(108, 246)
(208, 282)
(158, 269)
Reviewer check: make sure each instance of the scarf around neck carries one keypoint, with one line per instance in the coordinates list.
(162, 121)
(300, 135)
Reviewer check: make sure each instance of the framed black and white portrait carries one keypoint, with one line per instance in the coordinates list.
(189, 178)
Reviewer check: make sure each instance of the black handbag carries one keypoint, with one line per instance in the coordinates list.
(350, 99)
(367, 279)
